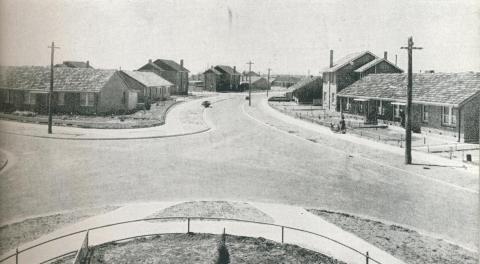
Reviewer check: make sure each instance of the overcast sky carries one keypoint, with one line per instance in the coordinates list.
(287, 36)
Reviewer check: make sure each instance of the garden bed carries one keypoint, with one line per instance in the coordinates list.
(405, 244)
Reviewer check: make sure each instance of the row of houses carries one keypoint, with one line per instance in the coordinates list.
(81, 89)
(374, 89)
(223, 78)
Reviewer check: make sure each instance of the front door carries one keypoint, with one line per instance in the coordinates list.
(41, 103)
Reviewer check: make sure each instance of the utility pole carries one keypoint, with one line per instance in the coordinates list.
(250, 83)
(50, 93)
(268, 80)
(408, 114)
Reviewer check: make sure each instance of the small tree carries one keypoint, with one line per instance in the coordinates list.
(223, 255)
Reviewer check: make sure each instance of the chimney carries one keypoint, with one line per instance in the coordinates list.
(395, 59)
(181, 64)
(149, 60)
(234, 69)
(88, 64)
(385, 55)
(331, 58)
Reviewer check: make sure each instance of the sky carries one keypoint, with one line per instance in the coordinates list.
(287, 36)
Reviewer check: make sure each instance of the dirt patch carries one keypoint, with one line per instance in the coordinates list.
(30, 229)
(220, 209)
(202, 248)
(403, 243)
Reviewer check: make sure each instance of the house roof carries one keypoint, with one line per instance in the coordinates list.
(432, 88)
(287, 78)
(148, 79)
(375, 62)
(302, 83)
(213, 70)
(225, 69)
(65, 79)
(74, 64)
(169, 65)
(346, 60)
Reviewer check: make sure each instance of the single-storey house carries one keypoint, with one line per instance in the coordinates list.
(75, 90)
(447, 103)
(222, 78)
(307, 90)
(148, 85)
(170, 71)
(349, 69)
(258, 83)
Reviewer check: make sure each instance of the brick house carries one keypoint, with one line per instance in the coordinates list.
(446, 103)
(149, 86)
(349, 69)
(76, 90)
(170, 71)
(258, 83)
(222, 78)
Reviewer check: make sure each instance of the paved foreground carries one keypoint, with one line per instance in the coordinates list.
(282, 215)
(240, 158)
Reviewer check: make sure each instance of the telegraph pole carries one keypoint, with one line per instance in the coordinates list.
(408, 114)
(268, 79)
(50, 93)
(250, 83)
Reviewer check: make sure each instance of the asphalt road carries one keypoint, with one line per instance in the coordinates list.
(240, 159)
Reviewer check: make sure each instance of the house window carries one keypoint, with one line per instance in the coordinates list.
(448, 117)
(349, 105)
(61, 99)
(396, 110)
(381, 109)
(86, 99)
(424, 113)
(333, 98)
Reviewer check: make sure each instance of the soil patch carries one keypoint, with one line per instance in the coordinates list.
(403, 243)
(202, 248)
(220, 209)
(30, 229)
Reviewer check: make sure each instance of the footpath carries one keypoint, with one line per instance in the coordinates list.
(290, 216)
(183, 119)
(441, 170)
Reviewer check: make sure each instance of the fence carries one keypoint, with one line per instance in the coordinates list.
(82, 253)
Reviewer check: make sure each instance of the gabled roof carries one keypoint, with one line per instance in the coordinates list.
(225, 69)
(148, 79)
(346, 60)
(375, 62)
(65, 79)
(304, 82)
(432, 88)
(169, 65)
(214, 71)
(74, 64)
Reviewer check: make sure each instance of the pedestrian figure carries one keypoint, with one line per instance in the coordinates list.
(343, 128)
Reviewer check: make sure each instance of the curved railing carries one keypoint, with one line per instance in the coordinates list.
(15, 255)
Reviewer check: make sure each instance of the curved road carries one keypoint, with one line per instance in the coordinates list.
(240, 159)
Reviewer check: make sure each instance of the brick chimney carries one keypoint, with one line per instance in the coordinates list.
(88, 64)
(181, 64)
(331, 58)
(234, 69)
(385, 55)
(149, 60)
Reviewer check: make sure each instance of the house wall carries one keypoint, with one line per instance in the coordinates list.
(382, 67)
(470, 115)
(210, 81)
(113, 96)
(261, 84)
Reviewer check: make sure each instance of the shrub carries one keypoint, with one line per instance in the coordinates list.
(223, 255)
